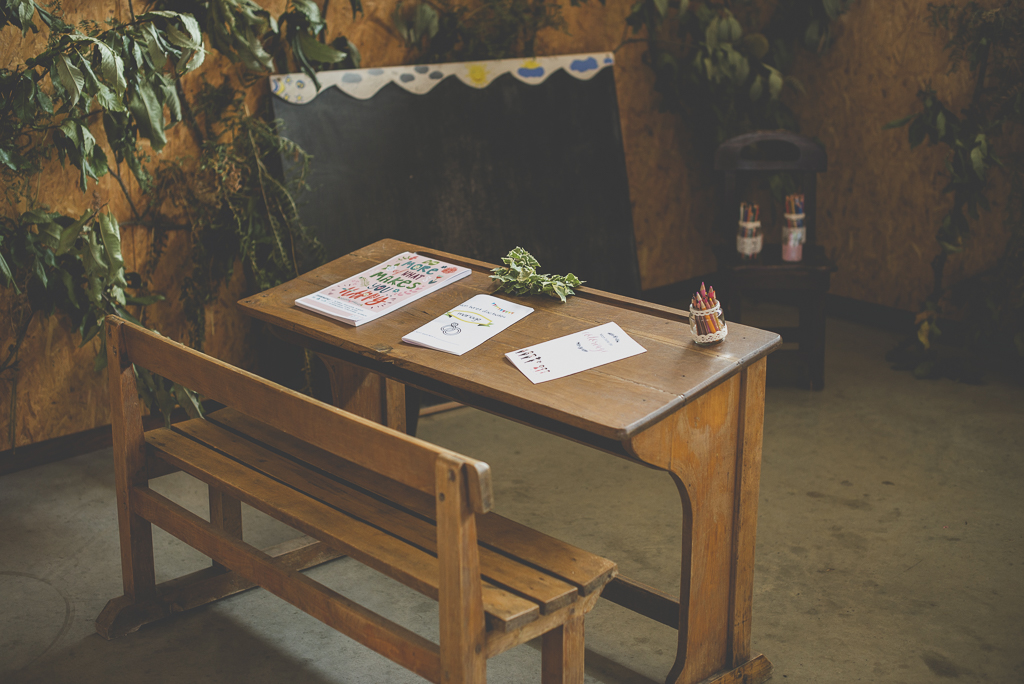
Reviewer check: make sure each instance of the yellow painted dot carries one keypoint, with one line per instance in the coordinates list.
(478, 73)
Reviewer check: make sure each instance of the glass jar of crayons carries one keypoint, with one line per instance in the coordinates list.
(794, 232)
(707, 322)
(749, 238)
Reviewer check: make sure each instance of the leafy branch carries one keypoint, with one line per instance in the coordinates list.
(991, 42)
(519, 276)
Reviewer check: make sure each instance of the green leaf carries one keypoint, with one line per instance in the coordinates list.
(71, 233)
(39, 271)
(661, 6)
(5, 271)
(774, 83)
(917, 132)
(188, 400)
(144, 300)
(978, 162)
(90, 333)
(308, 9)
(756, 88)
(70, 77)
(112, 68)
(711, 35)
(756, 45)
(316, 51)
(111, 236)
(899, 122)
(148, 114)
(7, 160)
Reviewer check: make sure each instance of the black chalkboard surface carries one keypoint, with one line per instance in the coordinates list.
(474, 172)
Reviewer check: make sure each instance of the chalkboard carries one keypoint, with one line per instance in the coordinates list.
(474, 171)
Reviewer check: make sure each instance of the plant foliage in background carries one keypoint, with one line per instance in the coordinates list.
(990, 42)
(447, 31)
(724, 72)
(519, 276)
(126, 77)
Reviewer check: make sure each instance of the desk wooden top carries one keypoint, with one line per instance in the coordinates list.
(612, 402)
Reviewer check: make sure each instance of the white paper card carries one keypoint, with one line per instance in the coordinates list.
(574, 353)
(468, 325)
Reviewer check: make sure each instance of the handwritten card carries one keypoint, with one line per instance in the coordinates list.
(574, 353)
(468, 325)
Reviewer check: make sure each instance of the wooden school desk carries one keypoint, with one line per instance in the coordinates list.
(695, 412)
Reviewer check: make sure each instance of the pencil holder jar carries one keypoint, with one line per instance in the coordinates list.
(749, 240)
(794, 234)
(707, 326)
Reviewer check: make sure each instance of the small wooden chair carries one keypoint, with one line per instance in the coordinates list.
(413, 511)
(803, 283)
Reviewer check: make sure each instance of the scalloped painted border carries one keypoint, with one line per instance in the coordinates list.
(363, 84)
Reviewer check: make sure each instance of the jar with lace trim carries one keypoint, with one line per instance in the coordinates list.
(707, 326)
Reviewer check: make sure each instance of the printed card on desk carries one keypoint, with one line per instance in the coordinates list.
(380, 290)
(574, 353)
(468, 325)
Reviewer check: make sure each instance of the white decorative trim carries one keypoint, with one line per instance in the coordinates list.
(710, 338)
(363, 84)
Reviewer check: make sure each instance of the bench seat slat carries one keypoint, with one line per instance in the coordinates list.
(390, 639)
(582, 569)
(548, 592)
(405, 563)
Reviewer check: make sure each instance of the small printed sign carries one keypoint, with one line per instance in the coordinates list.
(574, 353)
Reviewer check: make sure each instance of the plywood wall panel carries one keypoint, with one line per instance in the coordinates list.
(879, 202)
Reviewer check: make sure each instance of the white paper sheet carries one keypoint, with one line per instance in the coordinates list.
(574, 353)
(468, 325)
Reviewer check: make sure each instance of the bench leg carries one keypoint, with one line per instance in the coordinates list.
(138, 573)
(226, 515)
(123, 615)
(562, 653)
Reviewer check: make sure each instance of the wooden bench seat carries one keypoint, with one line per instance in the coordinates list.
(357, 489)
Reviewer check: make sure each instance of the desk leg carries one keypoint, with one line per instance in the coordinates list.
(712, 448)
(366, 394)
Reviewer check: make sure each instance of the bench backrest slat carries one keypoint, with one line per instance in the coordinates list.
(390, 453)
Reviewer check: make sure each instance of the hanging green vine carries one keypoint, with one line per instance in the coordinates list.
(126, 76)
(991, 43)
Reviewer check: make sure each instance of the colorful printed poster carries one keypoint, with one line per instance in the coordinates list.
(382, 289)
(574, 353)
(468, 325)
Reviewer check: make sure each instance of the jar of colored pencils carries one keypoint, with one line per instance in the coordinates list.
(707, 322)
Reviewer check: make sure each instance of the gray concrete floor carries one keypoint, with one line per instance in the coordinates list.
(889, 549)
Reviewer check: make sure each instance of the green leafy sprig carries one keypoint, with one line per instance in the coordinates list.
(519, 276)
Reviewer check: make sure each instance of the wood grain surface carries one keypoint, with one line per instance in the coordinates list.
(612, 402)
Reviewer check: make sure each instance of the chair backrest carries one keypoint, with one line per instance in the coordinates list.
(779, 151)
(395, 455)
(470, 158)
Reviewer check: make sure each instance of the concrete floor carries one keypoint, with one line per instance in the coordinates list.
(889, 549)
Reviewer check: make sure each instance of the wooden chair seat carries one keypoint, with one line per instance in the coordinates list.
(417, 513)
